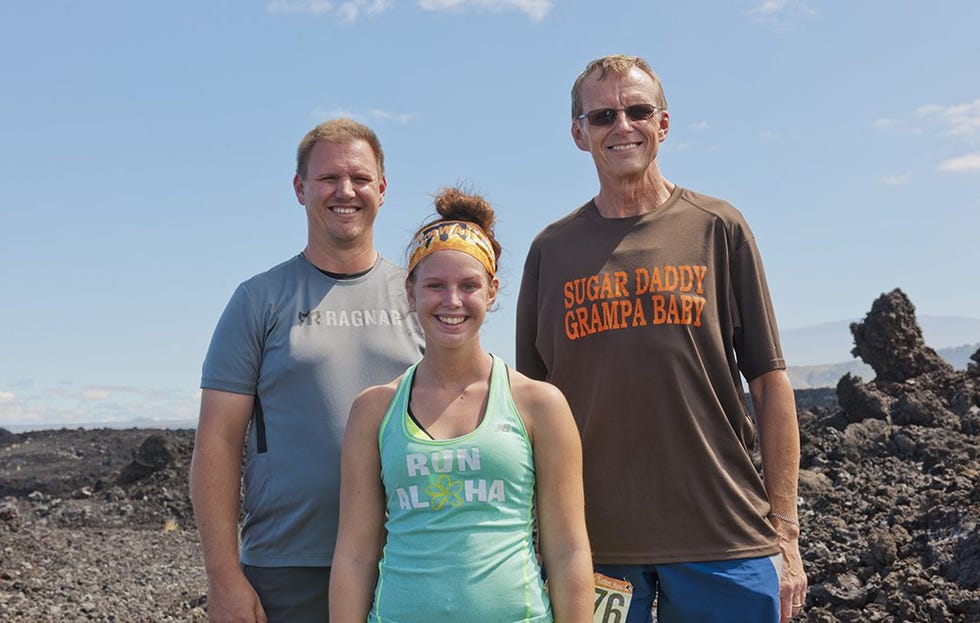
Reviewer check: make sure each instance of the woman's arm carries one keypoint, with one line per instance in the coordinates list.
(560, 498)
(360, 536)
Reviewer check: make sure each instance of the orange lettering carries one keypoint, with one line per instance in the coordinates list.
(582, 315)
(687, 303)
(642, 280)
(597, 324)
(605, 290)
(655, 283)
(610, 317)
(621, 278)
(670, 278)
(699, 272)
(571, 327)
(687, 278)
(699, 307)
(659, 312)
(579, 291)
(639, 316)
(592, 288)
(625, 309)
(673, 317)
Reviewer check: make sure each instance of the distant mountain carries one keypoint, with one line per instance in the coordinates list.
(138, 422)
(827, 375)
(831, 342)
(959, 356)
(819, 355)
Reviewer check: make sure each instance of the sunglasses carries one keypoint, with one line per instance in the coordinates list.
(607, 116)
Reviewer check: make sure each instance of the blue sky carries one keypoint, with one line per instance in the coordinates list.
(147, 150)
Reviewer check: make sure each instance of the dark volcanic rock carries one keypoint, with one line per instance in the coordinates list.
(80, 542)
(973, 368)
(155, 453)
(860, 401)
(60, 462)
(895, 535)
(890, 340)
(6, 437)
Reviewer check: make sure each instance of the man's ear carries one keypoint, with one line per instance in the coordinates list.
(664, 126)
(383, 185)
(578, 135)
(299, 190)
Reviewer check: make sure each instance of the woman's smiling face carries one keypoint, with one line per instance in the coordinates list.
(451, 293)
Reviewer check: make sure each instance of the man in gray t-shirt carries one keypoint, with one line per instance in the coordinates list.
(292, 349)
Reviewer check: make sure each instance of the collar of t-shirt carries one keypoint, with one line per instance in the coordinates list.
(341, 276)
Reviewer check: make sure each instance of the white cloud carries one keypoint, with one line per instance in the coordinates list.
(375, 114)
(535, 9)
(397, 117)
(350, 11)
(59, 406)
(969, 162)
(895, 180)
(961, 121)
(7, 397)
(779, 12)
(347, 11)
(94, 393)
(312, 7)
(700, 126)
(768, 7)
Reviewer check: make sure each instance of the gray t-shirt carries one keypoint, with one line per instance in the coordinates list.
(305, 344)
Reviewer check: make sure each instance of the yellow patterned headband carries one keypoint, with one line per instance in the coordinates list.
(453, 236)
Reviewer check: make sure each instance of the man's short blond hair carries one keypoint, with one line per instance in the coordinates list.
(619, 65)
(342, 131)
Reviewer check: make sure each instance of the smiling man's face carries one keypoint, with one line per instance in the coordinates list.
(626, 148)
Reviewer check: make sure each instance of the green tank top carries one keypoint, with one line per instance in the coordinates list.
(460, 518)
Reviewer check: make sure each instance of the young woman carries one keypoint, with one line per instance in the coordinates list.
(446, 469)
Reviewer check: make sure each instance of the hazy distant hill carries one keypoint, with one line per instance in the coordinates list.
(832, 342)
(819, 355)
(827, 375)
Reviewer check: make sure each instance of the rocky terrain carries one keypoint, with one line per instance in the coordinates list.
(96, 525)
(890, 505)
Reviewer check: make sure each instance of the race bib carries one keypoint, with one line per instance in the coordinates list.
(612, 599)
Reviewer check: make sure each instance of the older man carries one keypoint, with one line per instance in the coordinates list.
(645, 306)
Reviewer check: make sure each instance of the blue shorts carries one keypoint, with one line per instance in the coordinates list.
(733, 591)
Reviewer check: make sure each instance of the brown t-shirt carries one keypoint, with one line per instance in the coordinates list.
(644, 323)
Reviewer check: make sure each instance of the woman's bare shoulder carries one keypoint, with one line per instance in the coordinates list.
(372, 402)
(537, 400)
(528, 389)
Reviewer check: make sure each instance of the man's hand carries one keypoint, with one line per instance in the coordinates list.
(233, 600)
(792, 584)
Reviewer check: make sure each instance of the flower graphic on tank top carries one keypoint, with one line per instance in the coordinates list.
(445, 490)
